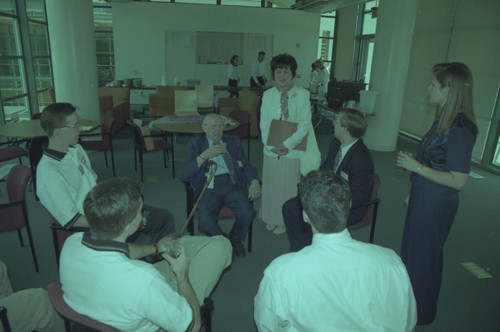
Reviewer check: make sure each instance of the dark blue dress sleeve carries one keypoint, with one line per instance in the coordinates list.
(461, 139)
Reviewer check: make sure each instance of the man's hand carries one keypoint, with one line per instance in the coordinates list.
(143, 224)
(213, 151)
(254, 190)
(179, 265)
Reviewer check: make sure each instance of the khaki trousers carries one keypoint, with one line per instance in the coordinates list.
(208, 257)
(28, 310)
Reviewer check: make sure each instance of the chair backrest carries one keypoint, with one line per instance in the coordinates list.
(161, 105)
(35, 150)
(142, 143)
(17, 180)
(14, 216)
(106, 128)
(60, 234)
(186, 102)
(55, 293)
(243, 117)
(205, 95)
(36, 116)
(369, 215)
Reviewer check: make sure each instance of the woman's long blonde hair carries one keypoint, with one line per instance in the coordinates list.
(458, 78)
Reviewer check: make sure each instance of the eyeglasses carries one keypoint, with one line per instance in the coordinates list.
(76, 125)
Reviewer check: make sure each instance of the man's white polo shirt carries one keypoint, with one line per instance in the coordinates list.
(63, 180)
(100, 281)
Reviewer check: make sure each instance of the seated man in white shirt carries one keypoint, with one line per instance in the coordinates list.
(336, 283)
(100, 280)
(65, 176)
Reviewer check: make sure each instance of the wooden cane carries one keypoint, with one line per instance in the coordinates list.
(212, 174)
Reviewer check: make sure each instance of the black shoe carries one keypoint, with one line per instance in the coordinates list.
(238, 248)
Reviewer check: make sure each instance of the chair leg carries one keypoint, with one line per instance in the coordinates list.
(32, 246)
(165, 158)
(372, 231)
(248, 135)
(135, 159)
(173, 156)
(20, 237)
(141, 162)
(106, 158)
(112, 160)
(55, 239)
(250, 229)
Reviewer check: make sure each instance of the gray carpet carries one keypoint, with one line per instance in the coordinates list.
(466, 302)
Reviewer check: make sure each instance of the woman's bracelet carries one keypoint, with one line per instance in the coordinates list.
(419, 169)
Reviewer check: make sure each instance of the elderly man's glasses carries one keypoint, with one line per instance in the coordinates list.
(76, 125)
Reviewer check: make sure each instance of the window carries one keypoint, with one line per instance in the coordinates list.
(325, 41)
(365, 41)
(25, 64)
(103, 26)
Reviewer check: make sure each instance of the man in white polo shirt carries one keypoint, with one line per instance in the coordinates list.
(65, 176)
(99, 279)
(336, 283)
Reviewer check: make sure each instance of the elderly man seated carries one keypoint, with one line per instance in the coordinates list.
(100, 280)
(229, 186)
(336, 283)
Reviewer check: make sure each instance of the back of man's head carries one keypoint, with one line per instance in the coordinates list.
(110, 206)
(354, 121)
(54, 116)
(326, 199)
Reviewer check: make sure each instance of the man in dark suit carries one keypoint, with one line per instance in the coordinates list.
(228, 187)
(349, 158)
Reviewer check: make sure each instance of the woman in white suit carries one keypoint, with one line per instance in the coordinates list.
(282, 165)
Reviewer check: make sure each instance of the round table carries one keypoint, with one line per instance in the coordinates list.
(189, 128)
(32, 128)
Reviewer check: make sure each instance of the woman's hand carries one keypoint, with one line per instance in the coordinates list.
(407, 162)
(280, 150)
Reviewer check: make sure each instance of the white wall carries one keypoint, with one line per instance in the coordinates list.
(473, 39)
(140, 33)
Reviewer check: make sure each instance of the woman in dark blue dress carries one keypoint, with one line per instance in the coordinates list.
(440, 171)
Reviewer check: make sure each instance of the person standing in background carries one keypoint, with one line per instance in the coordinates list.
(282, 164)
(322, 77)
(440, 170)
(233, 74)
(258, 74)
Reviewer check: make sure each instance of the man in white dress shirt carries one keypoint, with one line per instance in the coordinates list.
(258, 74)
(336, 283)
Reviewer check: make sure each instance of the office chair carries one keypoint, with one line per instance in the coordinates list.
(371, 214)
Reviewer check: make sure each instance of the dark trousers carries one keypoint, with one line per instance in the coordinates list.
(235, 197)
(160, 223)
(254, 84)
(299, 233)
(429, 218)
(232, 94)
